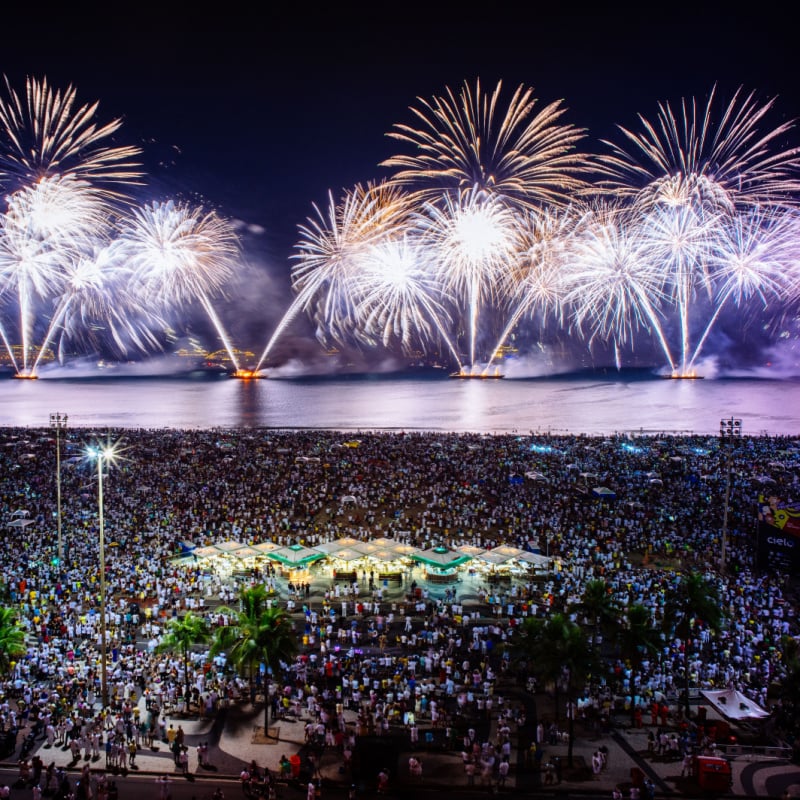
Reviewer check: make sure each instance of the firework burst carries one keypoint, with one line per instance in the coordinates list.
(612, 285)
(330, 255)
(100, 306)
(694, 156)
(45, 134)
(47, 226)
(753, 257)
(474, 239)
(181, 254)
(466, 140)
(398, 297)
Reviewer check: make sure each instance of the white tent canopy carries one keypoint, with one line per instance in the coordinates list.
(499, 555)
(265, 547)
(470, 549)
(381, 545)
(346, 554)
(536, 559)
(333, 548)
(734, 705)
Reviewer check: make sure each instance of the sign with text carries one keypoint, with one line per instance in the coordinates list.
(778, 546)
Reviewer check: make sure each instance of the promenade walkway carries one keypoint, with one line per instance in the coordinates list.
(235, 738)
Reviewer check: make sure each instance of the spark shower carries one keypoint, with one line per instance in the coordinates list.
(494, 227)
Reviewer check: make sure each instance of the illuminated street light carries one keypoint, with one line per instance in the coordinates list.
(59, 423)
(103, 455)
(730, 431)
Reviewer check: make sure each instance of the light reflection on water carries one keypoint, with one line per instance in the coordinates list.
(573, 404)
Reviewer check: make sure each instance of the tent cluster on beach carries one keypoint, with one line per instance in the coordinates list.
(389, 555)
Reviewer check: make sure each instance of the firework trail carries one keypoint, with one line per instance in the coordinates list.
(679, 240)
(60, 177)
(533, 285)
(612, 285)
(99, 301)
(181, 254)
(329, 253)
(47, 226)
(753, 256)
(397, 296)
(689, 173)
(474, 238)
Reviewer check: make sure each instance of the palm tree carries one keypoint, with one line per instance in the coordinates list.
(598, 607)
(637, 638)
(692, 603)
(182, 634)
(558, 651)
(259, 634)
(12, 639)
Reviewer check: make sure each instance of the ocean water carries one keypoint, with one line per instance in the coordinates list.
(595, 404)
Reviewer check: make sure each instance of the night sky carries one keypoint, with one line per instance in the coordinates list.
(259, 114)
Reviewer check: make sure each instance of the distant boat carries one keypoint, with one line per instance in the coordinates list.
(684, 377)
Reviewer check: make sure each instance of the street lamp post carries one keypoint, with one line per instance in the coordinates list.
(59, 422)
(102, 542)
(730, 430)
(103, 455)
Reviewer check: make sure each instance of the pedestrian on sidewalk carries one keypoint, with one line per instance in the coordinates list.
(502, 772)
(597, 764)
(686, 766)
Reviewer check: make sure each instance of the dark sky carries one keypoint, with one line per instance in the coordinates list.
(258, 111)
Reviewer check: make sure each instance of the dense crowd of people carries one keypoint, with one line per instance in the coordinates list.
(432, 653)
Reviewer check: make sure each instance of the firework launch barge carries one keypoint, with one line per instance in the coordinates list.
(480, 376)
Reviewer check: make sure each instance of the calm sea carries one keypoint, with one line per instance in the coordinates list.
(591, 404)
